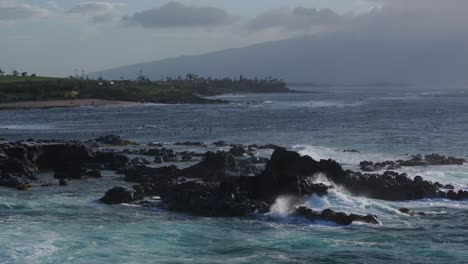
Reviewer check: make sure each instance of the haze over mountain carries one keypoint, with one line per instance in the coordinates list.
(411, 41)
(332, 59)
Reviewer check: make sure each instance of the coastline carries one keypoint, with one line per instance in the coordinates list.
(24, 105)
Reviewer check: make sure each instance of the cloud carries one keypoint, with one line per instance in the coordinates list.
(97, 12)
(10, 10)
(297, 19)
(177, 15)
(92, 8)
(402, 18)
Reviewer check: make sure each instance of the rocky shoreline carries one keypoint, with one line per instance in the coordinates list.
(228, 180)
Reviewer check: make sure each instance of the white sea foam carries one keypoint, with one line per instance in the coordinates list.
(283, 206)
(27, 127)
(324, 104)
(345, 158)
(33, 252)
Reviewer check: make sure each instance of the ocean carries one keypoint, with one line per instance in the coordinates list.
(68, 224)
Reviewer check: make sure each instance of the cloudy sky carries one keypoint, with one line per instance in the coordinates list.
(56, 37)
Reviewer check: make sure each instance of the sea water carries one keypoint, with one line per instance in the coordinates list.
(69, 225)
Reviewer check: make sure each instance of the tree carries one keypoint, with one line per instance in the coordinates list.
(24, 74)
(1, 72)
(33, 75)
(14, 72)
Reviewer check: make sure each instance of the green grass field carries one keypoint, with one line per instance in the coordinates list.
(44, 88)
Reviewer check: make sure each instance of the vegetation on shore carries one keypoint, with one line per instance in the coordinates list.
(15, 88)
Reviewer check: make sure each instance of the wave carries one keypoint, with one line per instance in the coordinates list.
(27, 127)
(351, 159)
(325, 104)
(456, 175)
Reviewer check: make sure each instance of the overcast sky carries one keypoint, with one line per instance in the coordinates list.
(56, 37)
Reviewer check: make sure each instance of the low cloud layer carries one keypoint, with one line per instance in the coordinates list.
(97, 12)
(177, 15)
(297, 19)
(10, 11)
(94, 8)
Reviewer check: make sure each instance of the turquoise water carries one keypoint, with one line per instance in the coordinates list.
(68, 225)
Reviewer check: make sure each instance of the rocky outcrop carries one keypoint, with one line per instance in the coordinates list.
(119, 195)
(19, 161)
(369, 166)
(191, 144)
(418, 160)
(389, 186)
(112, 140)
(411, 213)
(219, 165)
(209, 199)
(339, 218)
(110, 161)
(288, 173)
(237, 151)
(460, 195)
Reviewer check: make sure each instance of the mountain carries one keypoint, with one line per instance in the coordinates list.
(344, 59)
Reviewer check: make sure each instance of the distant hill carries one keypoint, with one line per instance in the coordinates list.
(332, 59)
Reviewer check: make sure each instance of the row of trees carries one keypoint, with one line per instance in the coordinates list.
(16, 73)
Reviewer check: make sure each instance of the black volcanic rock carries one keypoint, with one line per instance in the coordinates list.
(218, 165)
(118, 195)
(389, 186)
(192, 144)
(289, 173)
(113, 140)
(210, 200)
(237, 151)
(19, 161)
(110, 161)
(336, 217)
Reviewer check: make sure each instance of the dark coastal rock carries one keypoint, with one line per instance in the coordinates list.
(218, 165)
(147, 174)
(210, 200)
(389, 186)
(113, 140)
(23, 187)
(163, 154)
(336, 217)
(185, 156)
(433, 159)
(72, 171)
(19, 161)
(156, 152)
(110, 161)
(369, 166)
(94, 174)
(289, 173)
(237, 151)
(119, 195)
(411, 213)
(11, 181)
(267, 146)
(192, 144)
(60, 155)
(63, 182)
(418, 160)
(138, 161)
(460, 195)
(220, 144)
